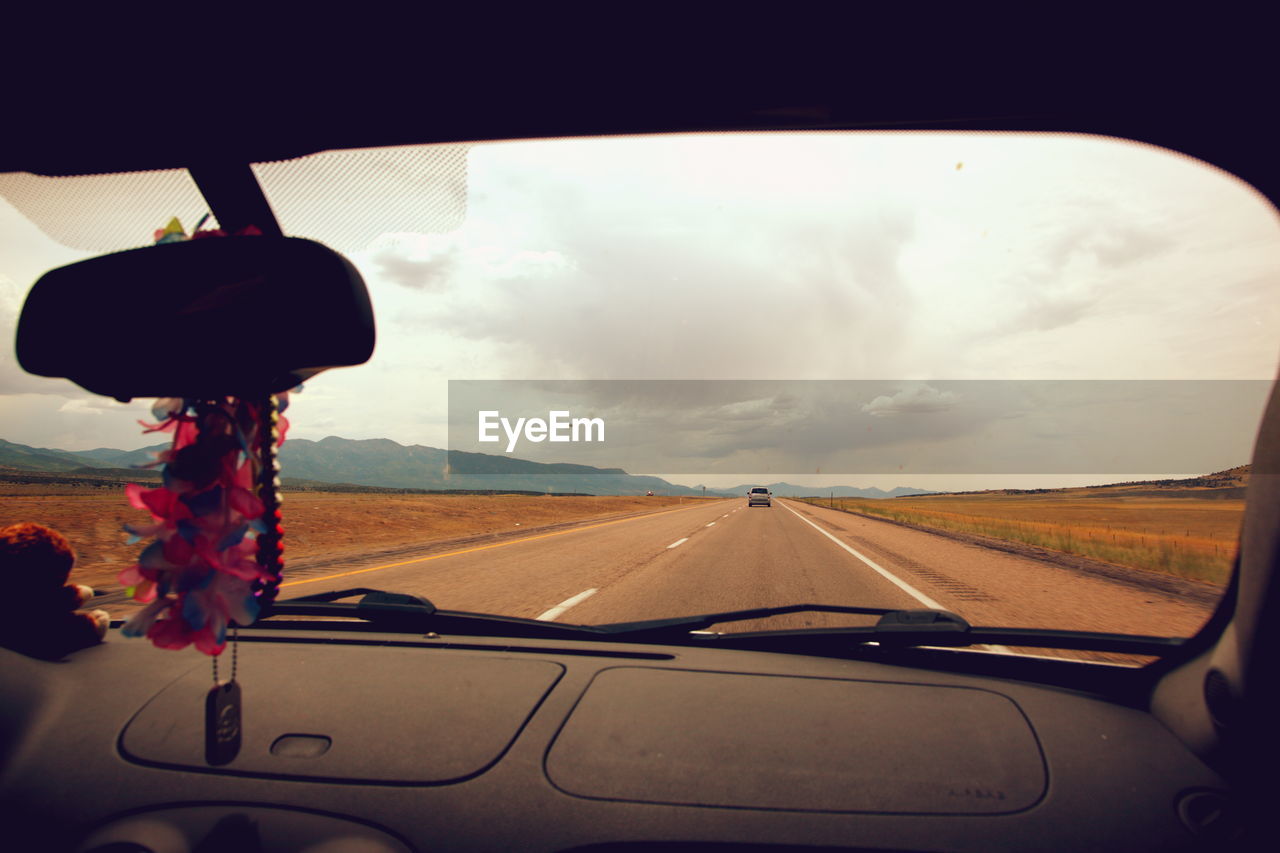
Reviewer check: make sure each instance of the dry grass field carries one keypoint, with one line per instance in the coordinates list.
(1179, 533)
(318, 524)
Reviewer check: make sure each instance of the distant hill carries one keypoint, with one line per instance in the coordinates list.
(115, 478)
(383, 463)
(371, 462)
(790, 490)
(107, 457)
(25, 458)
(1230, 484)
(1230, 478)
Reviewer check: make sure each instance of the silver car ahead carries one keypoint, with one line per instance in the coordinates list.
(760, 495)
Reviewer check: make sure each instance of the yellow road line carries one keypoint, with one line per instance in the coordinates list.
(484, 547)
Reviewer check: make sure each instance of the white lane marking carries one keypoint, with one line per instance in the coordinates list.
(726, 515)
(712, 524)
(1005, 650)
(906, 587)
(551, 614)
(889, 576)
(678, 542)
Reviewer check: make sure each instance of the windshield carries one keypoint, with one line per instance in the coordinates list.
(1017, 377)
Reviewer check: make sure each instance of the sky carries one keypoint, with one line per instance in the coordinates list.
(907, 259)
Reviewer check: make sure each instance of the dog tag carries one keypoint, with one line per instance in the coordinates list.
(222, 724)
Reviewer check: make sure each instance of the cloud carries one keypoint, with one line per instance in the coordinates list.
(419, 262)
(437, 263)
(914, 400)
(791, 258)
(80, 407)
(95, 406)
(768, 409)
(1125, 245)
(73, 420)
(501, 264)
(681, 424)
(1085, 258)
(1046, 310)
(671, 299)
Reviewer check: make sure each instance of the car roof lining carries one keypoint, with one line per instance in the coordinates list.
(252, 125)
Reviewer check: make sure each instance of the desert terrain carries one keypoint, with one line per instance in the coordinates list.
(1185, 528)
(320, 527)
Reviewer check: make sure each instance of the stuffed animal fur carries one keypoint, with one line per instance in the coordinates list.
(40, 617)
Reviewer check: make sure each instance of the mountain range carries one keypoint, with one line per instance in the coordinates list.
(791, 490)
(385, 463)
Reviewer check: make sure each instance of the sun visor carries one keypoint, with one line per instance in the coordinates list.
(200, 318)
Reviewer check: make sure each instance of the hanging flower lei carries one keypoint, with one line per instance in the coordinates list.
(202, 572)
(199, 574)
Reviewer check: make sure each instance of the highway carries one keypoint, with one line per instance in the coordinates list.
(722, 555)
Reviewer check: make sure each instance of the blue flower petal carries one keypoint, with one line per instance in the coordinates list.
(205, 502)
(187, 530)
(194, 579)
(233, 538)
(193, 613)
(152, 557)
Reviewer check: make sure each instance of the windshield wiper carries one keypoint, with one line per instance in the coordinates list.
(399, 612)
(895, 628)
(393, 611)
(904, 628)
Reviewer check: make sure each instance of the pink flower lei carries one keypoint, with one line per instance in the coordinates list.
(199, 574)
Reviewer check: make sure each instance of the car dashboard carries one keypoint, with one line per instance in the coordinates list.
(354, 740)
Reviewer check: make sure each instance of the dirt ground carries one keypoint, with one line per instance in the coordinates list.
(1180, 533)
(318, 525)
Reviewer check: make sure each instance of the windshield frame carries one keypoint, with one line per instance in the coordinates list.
(1212, 620)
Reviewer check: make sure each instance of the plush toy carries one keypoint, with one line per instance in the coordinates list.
(40, 618)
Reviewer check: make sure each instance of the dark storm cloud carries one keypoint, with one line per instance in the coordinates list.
(672, 296)
(1127, 244)
(863, 427)
(1082, 254)
(914, 400)
(1105, 237)
(410, 266)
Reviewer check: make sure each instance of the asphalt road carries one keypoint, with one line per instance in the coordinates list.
(722, 555)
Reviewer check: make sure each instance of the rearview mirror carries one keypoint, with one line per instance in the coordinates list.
(228, 316)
